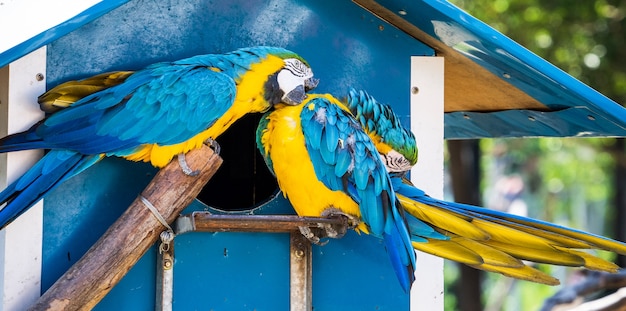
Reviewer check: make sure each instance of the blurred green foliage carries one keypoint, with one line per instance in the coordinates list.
(566, 180)
(585, 38)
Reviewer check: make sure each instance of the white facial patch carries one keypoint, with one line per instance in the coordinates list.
(396, 162)
(294, 73)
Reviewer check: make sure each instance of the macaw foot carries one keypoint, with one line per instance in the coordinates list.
(334, 231)
(185, 167)
(350, 221)
(214, 145)
(314, 235)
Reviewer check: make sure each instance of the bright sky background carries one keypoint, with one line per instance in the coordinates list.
(20, 20)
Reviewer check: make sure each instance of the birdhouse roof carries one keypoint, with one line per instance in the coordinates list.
(494, 87)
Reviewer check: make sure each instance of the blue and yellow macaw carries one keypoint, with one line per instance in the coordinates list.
(151, 115)
(326, 165)
(479, 237)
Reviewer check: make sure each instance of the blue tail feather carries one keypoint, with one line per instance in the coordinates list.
(54, 168)
(400, 249)
(22, 141)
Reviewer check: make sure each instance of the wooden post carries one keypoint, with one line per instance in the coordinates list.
(114, 254)
(301, 272)
(427, 125)
(21, 242)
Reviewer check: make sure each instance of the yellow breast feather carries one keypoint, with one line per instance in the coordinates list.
(309, 196)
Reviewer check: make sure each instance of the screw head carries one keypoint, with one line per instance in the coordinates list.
(299, 253)
(167, 264)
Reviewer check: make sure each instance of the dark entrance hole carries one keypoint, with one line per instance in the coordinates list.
(243, 181)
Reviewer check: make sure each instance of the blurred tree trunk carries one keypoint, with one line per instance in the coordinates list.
(619, 196)
(465, 177)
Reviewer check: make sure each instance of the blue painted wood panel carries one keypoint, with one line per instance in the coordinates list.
(346, 46)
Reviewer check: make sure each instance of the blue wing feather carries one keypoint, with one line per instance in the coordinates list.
(356, 169)
(51, 170)
(146, 108)
(357, 152)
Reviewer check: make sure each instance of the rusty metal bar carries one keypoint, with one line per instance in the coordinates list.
(207, 222)
(165, 278)
(301, 273)
(301, 254)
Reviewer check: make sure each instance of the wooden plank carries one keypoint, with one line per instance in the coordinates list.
(112, 256)
(468, 86)
(207, 222)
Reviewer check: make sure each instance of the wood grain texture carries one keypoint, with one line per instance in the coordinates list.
(467, 85)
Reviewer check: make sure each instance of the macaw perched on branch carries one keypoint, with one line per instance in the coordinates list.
(479, 237)
(326, 165)
(151, 115)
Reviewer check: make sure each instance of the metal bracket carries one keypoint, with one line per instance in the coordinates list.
(165, 276)
(301, 272)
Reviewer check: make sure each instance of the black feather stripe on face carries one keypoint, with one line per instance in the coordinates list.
(272, 92)
(297, 68)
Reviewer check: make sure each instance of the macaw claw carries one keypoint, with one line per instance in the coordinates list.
(214, 145)
(333, 231)
(185, 167)
(314, 235)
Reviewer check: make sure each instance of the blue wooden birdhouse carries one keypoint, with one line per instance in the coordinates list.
(448, 75)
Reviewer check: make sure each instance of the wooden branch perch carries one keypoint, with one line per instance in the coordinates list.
(115, 253)
(593, 282)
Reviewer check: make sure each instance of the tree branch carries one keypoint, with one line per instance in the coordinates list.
(593, 282)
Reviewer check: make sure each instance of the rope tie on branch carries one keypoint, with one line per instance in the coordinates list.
(167, 236)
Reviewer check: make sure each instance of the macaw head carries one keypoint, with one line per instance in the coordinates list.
(395, 144)
(294, 80)
(395, 162)
(291, 81)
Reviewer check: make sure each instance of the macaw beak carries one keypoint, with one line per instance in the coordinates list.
(311, 83)
(298, 94)
(295, 96)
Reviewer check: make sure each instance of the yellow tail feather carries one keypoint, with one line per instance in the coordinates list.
(449, 250)
(490, 255)
(593, 262)
(513, 236)
(550, 256)
(523, 273)
(445, 220)
(598, 242)
(558, 239)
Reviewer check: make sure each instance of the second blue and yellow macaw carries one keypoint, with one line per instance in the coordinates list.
(326, 165)
(151, 115)
(479, 237)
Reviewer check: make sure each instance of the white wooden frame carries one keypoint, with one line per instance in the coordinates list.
(427, 124)
(21, 242)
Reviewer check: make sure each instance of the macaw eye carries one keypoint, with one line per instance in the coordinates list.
(294, 80)
(396, 162)
(298, 68)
